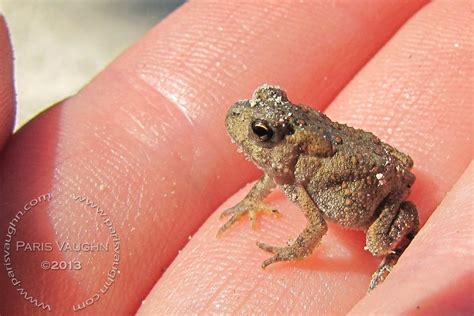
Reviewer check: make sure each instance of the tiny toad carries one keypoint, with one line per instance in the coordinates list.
(333, 172)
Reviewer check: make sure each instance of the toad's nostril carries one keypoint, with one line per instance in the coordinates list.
(235, 112)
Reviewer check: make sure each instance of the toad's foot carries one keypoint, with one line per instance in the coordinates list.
(245, 207)
(289, 253)
(383, 270)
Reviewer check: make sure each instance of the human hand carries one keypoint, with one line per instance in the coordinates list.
(146, 141)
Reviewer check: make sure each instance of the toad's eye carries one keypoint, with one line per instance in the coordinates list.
(262, 130)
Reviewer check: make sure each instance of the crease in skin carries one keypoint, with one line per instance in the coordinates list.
(174, 96)
(143, 86)
(159, 131)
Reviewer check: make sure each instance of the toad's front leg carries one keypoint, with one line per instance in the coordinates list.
(251, 204)
(307, 240)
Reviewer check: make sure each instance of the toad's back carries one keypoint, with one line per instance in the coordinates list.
(350, 185)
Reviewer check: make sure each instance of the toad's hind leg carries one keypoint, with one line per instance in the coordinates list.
(389, 235)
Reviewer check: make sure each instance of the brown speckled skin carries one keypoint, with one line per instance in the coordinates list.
(332, 171)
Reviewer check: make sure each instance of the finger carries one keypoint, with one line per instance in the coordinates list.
(417, 94)
(310, 49)
(435, 275)
(145, 140)
(433, 127)
(7, 91)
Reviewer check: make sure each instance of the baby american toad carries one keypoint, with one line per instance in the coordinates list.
(333, 172)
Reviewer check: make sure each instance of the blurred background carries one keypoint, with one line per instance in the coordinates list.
(59, 45)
